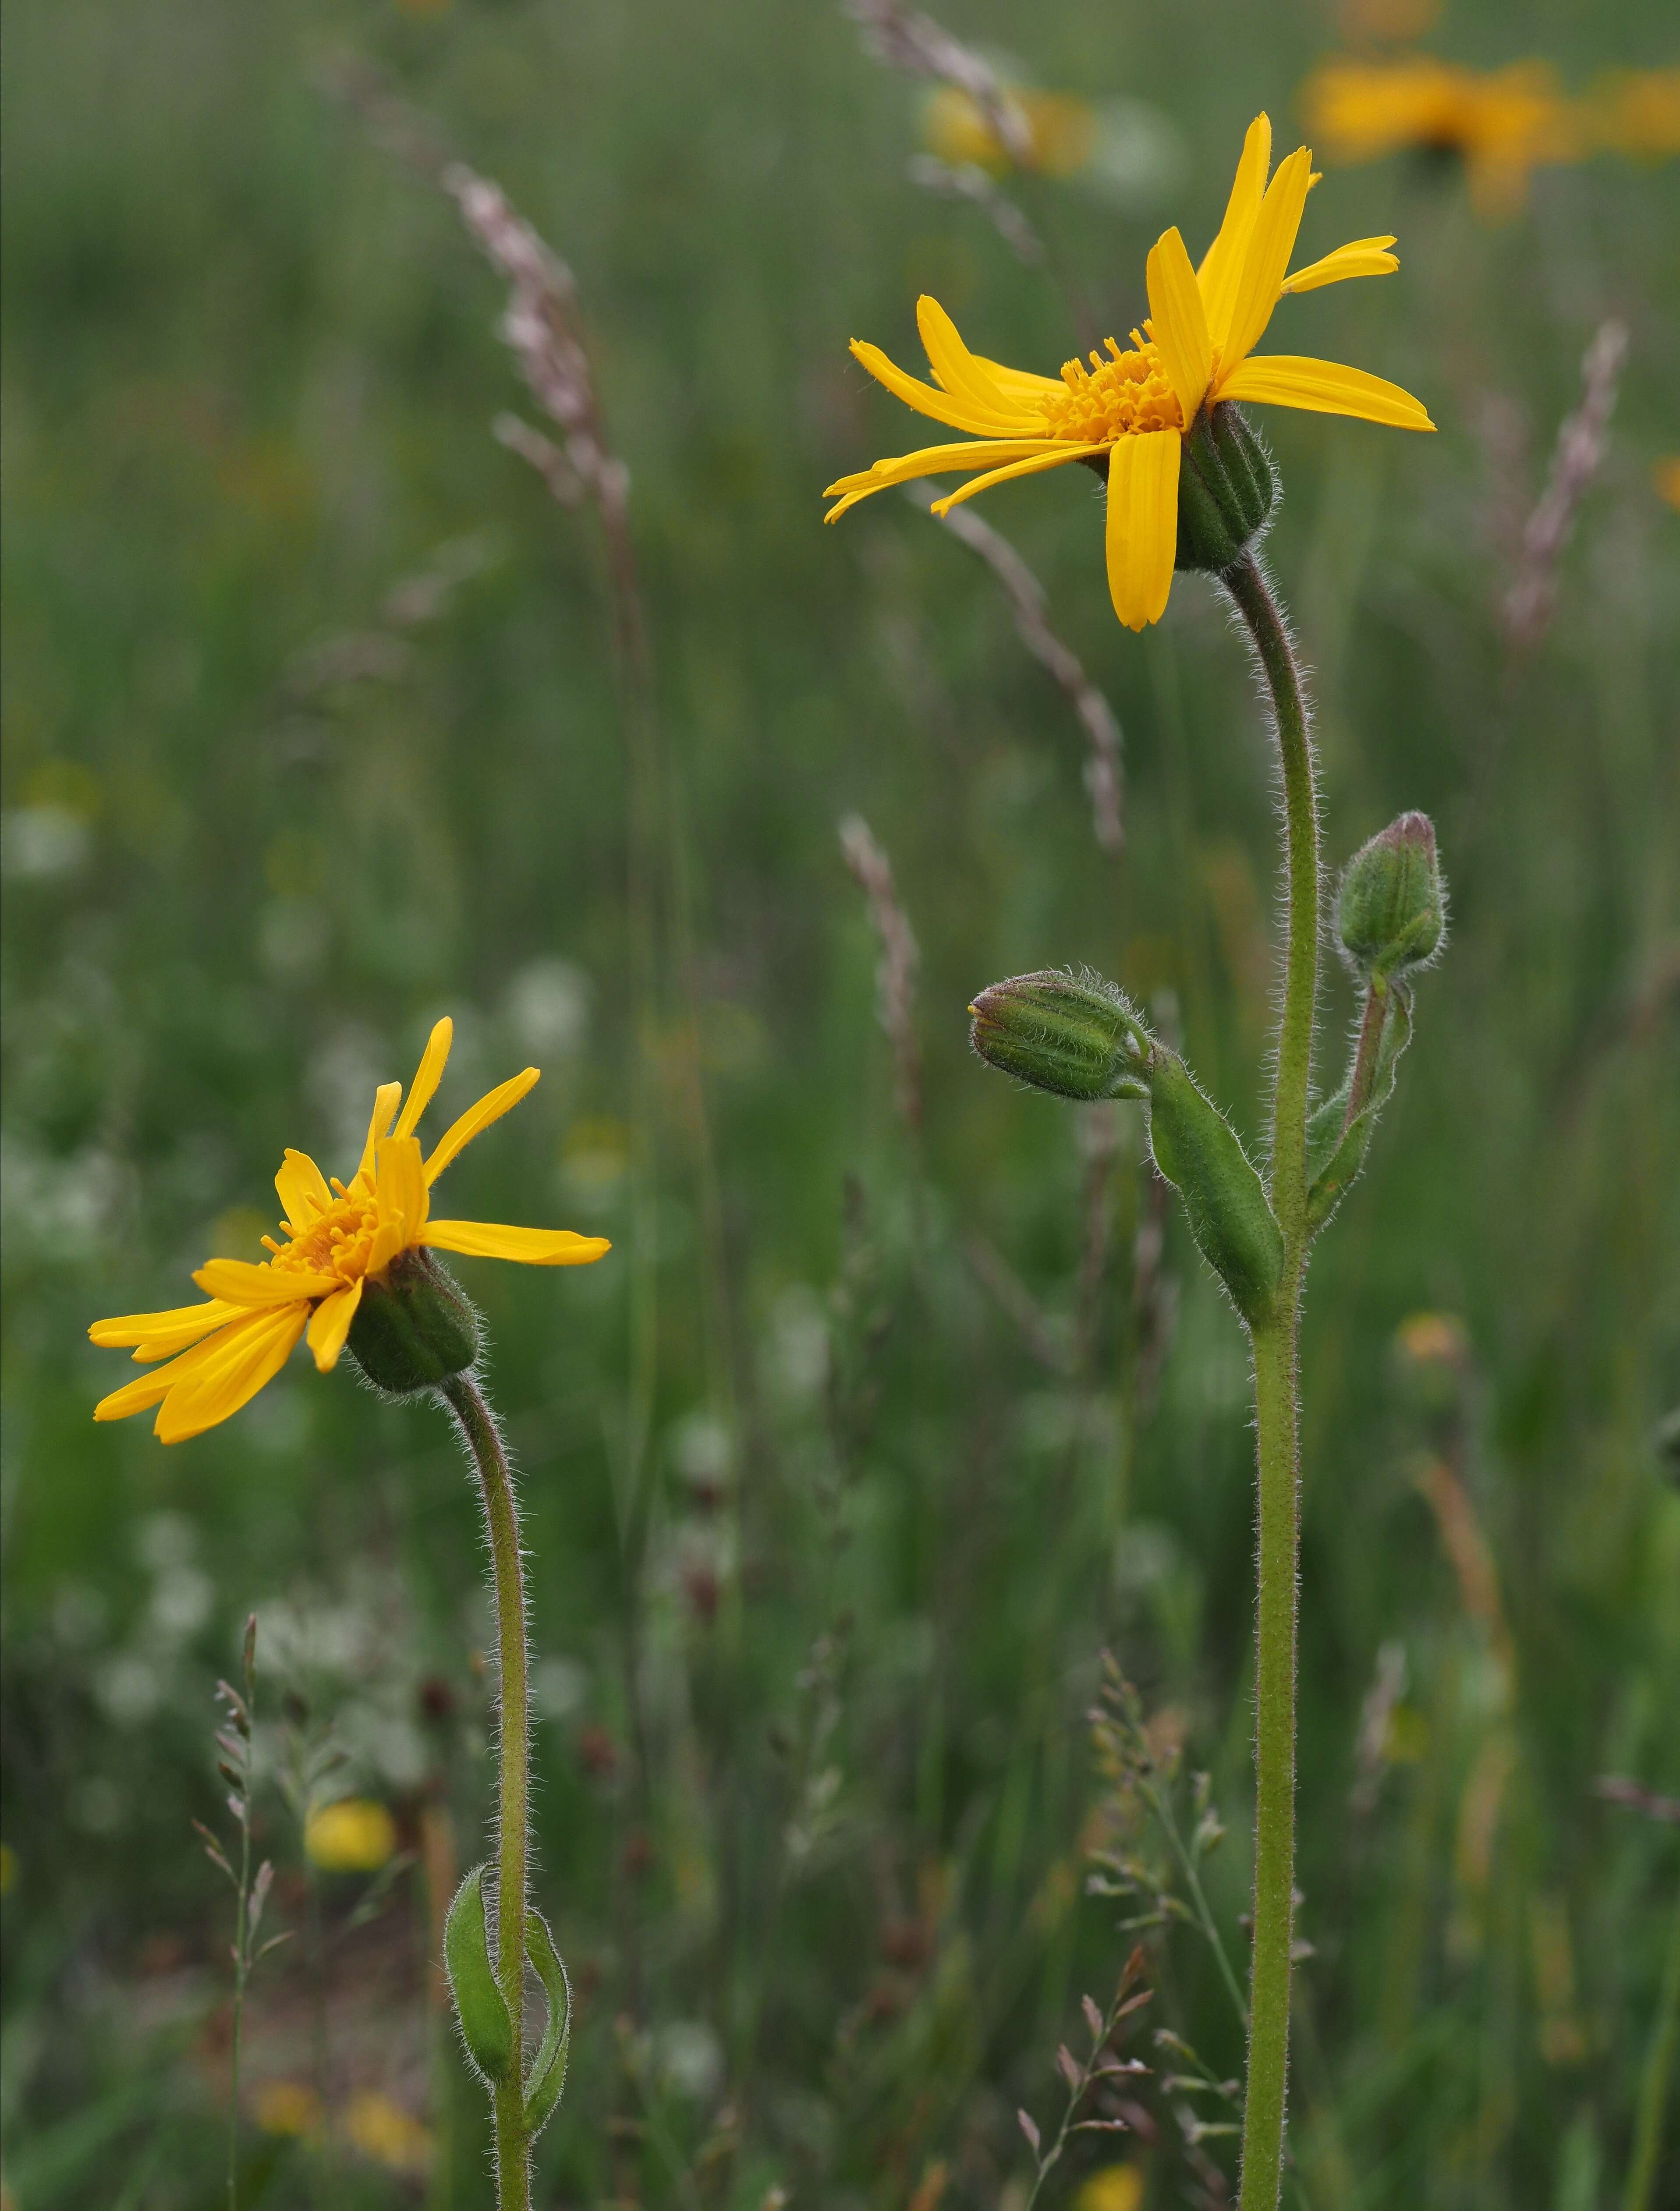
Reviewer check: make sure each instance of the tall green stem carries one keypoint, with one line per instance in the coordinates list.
(484, 1442)
(1278, 1409)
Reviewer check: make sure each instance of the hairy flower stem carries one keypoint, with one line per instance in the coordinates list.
(1276, 1399)
(483, 1440)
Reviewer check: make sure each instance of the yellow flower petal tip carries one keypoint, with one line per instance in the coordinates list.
(1195, 352)
(336, 1239)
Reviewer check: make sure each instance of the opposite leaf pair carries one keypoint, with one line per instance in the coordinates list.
(486, 2024)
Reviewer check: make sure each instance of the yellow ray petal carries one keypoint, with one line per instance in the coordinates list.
(960, 413)
(188, 1323)
(401, 1184)
(1222, 264)
(477, 1119)
(242, 1284)
(1324, 387)
(385, 1099)
(1143, 532)
(1180, 321)
(1019, 386)
(330, 1323)
(536, 1247)
(1364, 256)
(263, 1346)
(151, 1389)
(429, 1074)
(136, 1397)
(934, 460)
(956, 367)
(1051, 458)
(302, 1188)
(1267, 259)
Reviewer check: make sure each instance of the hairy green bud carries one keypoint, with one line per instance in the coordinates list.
(1073, 1035)
(1199, 1152)
(1227, 489)
(1391, 906)
(1078, 1036)
(415, 1328)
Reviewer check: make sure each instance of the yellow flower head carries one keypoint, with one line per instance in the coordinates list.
(1636, 112)
(1060, 130)
(338, 1240)
(1111, 2188)
(1501, 125)
(385, 2132)
(288, 2107)
(1133, 411)
(352, 1835)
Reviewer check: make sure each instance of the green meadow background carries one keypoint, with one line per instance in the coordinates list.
(816, 1791)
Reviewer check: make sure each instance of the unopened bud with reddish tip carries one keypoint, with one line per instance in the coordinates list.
(1073, 1035)
(1392, 907)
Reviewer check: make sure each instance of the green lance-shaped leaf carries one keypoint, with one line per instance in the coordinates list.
(1198, 1152)
(1335, 1144)
(487, 2028)
(547, 2077)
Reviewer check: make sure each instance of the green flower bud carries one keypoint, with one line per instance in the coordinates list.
(1073, 1035)
(1226, 489)
(415, 1328)
(1392, 907)
(1199, 1152)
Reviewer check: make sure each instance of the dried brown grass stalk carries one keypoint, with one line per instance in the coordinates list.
(1579, 453)
(907, 40)
(895, 975)
(1027, 602)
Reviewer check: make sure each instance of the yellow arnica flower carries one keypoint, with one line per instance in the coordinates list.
(353, 1834)
(1636, 112)
(1060, 128)
(339, 1239)
(1131, 413)
(1501, 125)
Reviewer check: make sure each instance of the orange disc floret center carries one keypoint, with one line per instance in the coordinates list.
(1123, 397)
(338, 1243)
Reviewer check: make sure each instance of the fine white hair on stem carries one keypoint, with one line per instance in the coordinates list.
(895, 975)
(1028, 600)
(1269, 713)
(1582, 440)
(907, 40)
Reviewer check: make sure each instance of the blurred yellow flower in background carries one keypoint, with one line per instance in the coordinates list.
(354, 1835)
(1111, 2188)
(1133, 411)
(287, 2107)
(1060, 128)
(1635, 112)
(1502, 126)
(1427, 1336)
(1666, 477)
(385, 2132)
(338, 1238)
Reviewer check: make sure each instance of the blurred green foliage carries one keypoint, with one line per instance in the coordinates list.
(815, 1786)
